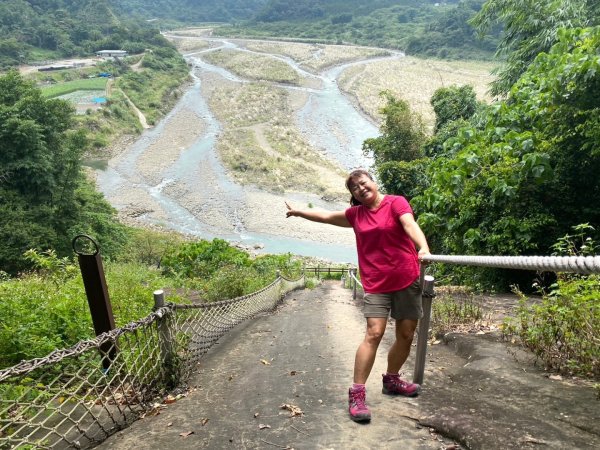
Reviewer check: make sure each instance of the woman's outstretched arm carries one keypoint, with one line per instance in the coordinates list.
(331, 217)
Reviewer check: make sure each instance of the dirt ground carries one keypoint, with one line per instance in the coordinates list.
(478, 391)
(82, 62)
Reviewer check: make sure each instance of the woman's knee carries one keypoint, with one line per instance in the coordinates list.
(405, 330)
(375, 332)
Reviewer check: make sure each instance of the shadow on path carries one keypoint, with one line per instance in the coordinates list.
(301, 355)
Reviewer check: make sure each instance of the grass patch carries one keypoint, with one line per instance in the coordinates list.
(250, 104)
(414, 80)
(454, 309)
(563, 329)
(317, 57)
(252, 66)
(67, 87)
(261, 146)
(154, 93)
(189, 44)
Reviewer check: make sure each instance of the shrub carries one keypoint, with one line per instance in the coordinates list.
(562, 330)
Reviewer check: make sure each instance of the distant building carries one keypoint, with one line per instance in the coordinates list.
(111, 53)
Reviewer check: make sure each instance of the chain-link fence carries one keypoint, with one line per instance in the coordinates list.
(77, 397)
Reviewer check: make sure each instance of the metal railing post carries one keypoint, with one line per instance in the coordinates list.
(96, 291)
(354, 271)
(165, 340)
(427, 283)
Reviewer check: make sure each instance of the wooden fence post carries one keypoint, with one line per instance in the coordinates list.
(423, 327)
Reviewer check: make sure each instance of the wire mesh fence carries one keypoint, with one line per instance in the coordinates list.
(77, 397)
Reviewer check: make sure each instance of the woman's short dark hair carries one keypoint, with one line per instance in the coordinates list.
(354, 174)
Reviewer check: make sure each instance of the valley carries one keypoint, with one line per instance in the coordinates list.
(266, 122)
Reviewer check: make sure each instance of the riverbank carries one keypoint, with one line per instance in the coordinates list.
(256, 211)
(258, 156)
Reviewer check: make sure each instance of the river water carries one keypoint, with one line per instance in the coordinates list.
(328, 121)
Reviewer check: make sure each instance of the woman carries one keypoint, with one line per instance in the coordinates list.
(387, 239)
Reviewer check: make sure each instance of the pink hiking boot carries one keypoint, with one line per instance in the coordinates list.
(359, 412)
(394, 385)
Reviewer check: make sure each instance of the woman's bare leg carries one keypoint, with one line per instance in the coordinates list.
(399, 351)
(367, 350)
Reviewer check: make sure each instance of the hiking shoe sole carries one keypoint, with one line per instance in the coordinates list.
(361, 418)
(396, 394)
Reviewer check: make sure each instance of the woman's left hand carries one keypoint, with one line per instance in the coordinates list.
(423, 253)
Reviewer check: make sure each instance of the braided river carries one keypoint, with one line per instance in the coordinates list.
(328, 121)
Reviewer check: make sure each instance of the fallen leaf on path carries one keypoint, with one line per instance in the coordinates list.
(262, 426)
(204, 421)
(186, 434)
(170, 424)
(556, 377)
(170, 399)
(256, 415)
(293, 409)
(265, 362)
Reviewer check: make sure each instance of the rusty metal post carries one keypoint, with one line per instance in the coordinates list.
(96, 291)
(427, 282)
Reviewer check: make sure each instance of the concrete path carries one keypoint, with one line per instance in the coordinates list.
(281, 381)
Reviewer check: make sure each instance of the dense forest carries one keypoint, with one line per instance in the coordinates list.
(418, 27)
(40, 30)
(516, 176)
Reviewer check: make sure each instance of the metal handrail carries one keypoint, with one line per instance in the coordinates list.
(569, 264)
(572, 264)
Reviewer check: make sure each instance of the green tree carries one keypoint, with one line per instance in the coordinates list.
(45, 199)
(530, 27)
(12, 52)
(452, 103)
(529, 175)
(407, 178)
(402, 133)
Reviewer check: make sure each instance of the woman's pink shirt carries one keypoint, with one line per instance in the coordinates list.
(387, 257)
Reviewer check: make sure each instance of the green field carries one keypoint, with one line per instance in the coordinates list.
(91, 84)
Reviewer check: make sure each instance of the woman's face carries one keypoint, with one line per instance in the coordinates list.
(364, 189)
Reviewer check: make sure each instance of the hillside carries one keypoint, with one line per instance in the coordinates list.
(40, 30)
(425, 28)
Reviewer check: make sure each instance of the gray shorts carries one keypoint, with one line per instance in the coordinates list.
(404, 304)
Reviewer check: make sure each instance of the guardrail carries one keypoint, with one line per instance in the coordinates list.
(566, 264)
(318, 271)
(77, 397)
